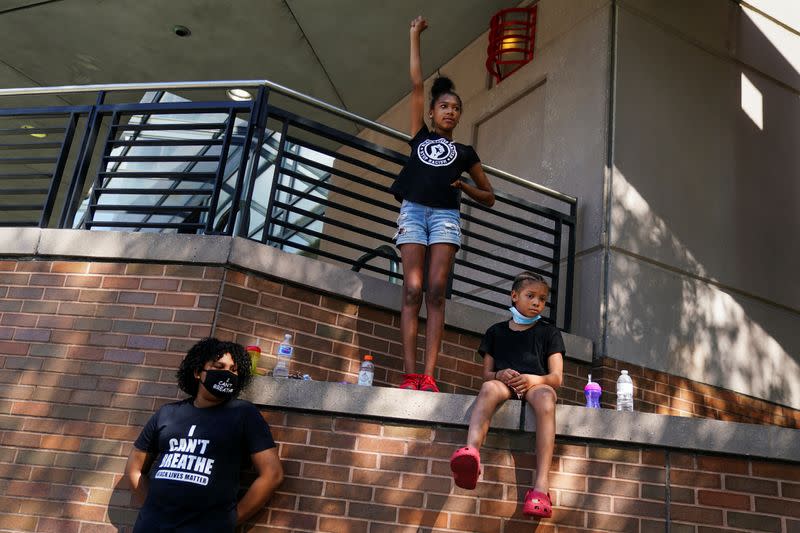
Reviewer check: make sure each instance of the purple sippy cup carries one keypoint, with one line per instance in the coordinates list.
(592, 391)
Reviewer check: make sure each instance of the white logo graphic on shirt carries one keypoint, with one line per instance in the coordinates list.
(436, 152)
(185, 462)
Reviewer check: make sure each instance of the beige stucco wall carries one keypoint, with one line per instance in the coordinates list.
(705, 197)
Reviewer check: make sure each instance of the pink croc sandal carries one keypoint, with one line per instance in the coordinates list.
(466, 466)
(537, 504)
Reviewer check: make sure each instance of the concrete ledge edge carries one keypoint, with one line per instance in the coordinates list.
(603, 425)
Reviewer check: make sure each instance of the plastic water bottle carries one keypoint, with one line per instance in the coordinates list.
(624, 392)
(592, 391)
(367, 371)
(285, 351)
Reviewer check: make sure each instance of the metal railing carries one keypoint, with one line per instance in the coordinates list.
(163, 162)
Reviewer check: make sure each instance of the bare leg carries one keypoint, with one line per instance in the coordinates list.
(439, 262)
(543, 401)
(492, 394)
(413, 256)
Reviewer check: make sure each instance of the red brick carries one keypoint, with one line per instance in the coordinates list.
(478, 524)
(348, 492)
(426, 518)
(341, 525)
(777, 470)
(696, 515)
(376, 478)
(754, 522)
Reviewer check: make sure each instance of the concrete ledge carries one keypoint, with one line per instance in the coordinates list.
(377, 402)
(168, 247)
(19, 241)
(605, 425)
(245, 254)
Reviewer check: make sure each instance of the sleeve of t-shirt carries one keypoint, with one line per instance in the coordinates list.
(257, 434)
(556, 343)
(419, 136)
(470, 157)
(487, 343)
(148, 438)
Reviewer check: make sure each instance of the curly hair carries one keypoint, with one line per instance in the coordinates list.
(523, 278)
(211, 349)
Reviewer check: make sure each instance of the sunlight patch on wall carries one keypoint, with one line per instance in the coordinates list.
(683, 325)
(752, 102)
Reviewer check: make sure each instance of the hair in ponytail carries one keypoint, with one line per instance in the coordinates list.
(441, 86)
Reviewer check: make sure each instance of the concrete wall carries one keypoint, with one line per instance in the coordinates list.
(703, 257)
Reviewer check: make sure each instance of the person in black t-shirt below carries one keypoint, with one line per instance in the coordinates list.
(194, 449)
(522, 358)
(429, 229)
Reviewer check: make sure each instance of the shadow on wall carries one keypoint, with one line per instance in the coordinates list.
(708, 190)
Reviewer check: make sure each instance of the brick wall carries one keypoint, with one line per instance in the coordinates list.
(354, 475)
(88, 351)
(658, 392)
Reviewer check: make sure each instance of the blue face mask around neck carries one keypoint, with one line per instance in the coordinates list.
(521, 319)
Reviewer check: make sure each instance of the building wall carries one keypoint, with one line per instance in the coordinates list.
(89, 349)
(704, 197)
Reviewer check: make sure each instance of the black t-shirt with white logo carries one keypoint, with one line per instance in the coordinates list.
(434, 163)
(198, 455)
(524, 351)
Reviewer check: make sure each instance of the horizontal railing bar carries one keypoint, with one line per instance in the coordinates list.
(341, 190)
(23, 191)
(166, 142)
(13, 224)
(489, 255)
(338, 172)
(331, 255)
(50, 111)
(280, 89)
(18, 207)
(505, 246)
(29, 131)
(161, 158)
(185, 176)
(30, 146)
(148, 209)
(478, 299)
(118, 224)
(343, 157)
(169, 127)
(26, 160)
(174, 192)
(26, 176)
(497, 273)
(513, 218)
(470, 218)
(333, 222)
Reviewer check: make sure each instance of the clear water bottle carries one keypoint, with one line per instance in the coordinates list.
(284, 354)
(367, 372)
(592, 391)
(624, 392)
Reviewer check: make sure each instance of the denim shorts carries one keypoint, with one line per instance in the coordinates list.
(420, 224)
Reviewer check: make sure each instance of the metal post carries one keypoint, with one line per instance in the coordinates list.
(273, 191)
(223, 160)
(58, 172)
(570, 269)
(261, 126)
(82, 164)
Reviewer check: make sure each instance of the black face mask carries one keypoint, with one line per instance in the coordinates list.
(221, 383)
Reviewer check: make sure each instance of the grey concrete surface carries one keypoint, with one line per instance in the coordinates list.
(19, 241)
(203, 249)
(379, 402)
(602, 425)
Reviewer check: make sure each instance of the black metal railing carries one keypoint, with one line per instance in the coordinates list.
(160, 161)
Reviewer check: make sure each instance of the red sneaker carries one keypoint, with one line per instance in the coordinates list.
(537, 504)
(410, 381)
(426, 383)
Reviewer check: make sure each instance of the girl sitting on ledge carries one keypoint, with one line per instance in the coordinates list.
(522, 358)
